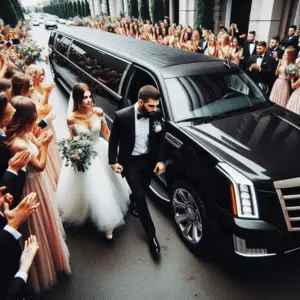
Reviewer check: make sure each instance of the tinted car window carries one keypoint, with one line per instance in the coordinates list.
(62, 45)
(211, 95)
(103, 67)
(51, 39)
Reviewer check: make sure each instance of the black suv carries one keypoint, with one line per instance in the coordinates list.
(232, 165)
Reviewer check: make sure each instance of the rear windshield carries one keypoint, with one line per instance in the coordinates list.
(210, 95)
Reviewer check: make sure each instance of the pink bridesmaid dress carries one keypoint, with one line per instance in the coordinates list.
(294, 101)
(53, 255)
(280, 93)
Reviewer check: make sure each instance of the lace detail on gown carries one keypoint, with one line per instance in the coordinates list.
(98, 193)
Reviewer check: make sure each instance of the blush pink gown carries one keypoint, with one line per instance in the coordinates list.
(53, 254)
(294, 102)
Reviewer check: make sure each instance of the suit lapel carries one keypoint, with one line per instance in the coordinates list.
(131, 125)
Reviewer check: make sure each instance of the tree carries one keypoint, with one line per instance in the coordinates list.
(83, 8)
(71, 9)
(17, 8)
(133, 10)
(156, 10)
(79, 9)
(204, 14)
(88, 10)
(10, 17)
(67, 10)
(143, 9)
(75, 9)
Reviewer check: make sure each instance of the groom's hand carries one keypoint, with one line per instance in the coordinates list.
(117, 168)
(159, 168)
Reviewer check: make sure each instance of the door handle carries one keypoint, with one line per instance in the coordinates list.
(172, 140)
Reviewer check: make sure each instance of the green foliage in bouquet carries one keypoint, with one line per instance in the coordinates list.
(292, 70)
(77, 151)
(30, 51)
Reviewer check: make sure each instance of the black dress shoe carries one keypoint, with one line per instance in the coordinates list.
(133, 210)
(154, 247)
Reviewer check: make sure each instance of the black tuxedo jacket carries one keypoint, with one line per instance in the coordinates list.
(246, 47)
(122, 137)
(202, 45)
(287, 42)
(278, 50)
(14, 184)
(10, 253)
(267, 70)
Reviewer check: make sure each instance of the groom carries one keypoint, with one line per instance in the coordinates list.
(136, 149)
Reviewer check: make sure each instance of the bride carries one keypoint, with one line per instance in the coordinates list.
(98, 193)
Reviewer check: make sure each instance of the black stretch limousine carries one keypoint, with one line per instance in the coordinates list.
(232, 165)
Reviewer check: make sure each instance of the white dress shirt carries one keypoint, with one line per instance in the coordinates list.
(141, 145)
(259, 60)
(2, 132)
(251, 48)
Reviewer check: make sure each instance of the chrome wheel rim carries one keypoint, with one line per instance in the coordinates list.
(187, 216)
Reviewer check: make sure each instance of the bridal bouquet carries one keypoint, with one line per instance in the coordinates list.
(30, 51)
(77, 151)
(291, 70)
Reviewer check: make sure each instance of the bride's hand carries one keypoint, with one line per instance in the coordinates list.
(117, 168)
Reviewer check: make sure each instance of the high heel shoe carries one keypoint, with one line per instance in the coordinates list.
(109, 235)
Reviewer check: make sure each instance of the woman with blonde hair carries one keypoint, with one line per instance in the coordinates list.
(224, 49)
(212, 46)
(41, 96)
(45, 224)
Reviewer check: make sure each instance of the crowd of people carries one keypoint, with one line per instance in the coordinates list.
(30, 165)
(265, 64)
(29, 170)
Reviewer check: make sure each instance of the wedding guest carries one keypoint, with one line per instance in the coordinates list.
(294, 101)
(249, 47)
(41, 96)
(212, 46)
(14, 264)
(260, 66)
(274, 51)
(185, 41)
(291, 39)
(204, 40)
(236, 52)
(224, 50)
(46, 223)
(280, 93)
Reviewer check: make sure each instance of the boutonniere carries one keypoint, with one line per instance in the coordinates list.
(157, 127)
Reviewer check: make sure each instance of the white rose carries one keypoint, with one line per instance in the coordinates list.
(79, 150)
(76, 138)
(158, 128)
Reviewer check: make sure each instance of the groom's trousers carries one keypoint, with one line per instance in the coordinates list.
(138, 171)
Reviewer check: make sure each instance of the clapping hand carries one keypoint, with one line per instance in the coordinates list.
(46, 137)
(18, 161)
(5, 198)
(47, 88)
(117, 168)
(28, 254)
(16, 217)
(44, 110)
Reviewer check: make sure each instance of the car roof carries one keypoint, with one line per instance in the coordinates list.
(144, 53)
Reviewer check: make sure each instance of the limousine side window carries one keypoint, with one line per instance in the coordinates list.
(103, 67)
(62, 45)
(51, 39)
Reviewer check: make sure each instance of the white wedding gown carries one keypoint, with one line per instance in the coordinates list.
(98, 193)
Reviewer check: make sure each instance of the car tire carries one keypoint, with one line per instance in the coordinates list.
(187, 204)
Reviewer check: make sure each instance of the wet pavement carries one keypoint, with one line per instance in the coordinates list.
(122, 269)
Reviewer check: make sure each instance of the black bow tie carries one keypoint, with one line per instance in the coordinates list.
(259, 56)
(140, 116)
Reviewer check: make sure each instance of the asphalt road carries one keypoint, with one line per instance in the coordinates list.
(123, 269)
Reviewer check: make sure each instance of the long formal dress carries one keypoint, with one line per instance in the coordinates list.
(98, 193)
(54, 162)
(294, 101)
(281, 89)
(46, 225)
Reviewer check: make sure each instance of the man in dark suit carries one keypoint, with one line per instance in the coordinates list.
(136, 149)
(203, 43)
(292, 39)
(14, 272)
(261, 66)
(250, 45)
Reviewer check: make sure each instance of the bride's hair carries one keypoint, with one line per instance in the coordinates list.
(78, 93)
(23, 120)
(20, 84)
